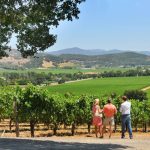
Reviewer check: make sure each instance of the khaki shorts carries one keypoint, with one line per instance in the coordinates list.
(108, 121)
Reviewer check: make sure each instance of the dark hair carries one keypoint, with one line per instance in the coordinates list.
(124, 98)
(109, 100)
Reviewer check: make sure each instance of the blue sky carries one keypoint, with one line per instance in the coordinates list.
(107, 24)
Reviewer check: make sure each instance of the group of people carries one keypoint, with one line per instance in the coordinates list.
(108, 112)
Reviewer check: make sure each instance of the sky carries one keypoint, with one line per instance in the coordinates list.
(106, 24)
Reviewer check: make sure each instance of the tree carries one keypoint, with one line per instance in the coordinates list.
(136, 94)
(32, 21)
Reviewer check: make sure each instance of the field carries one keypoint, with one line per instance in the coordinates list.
(102, 86)
(148, 93)
(60, 70)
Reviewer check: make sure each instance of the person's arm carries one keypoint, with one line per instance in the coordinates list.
(100, 110)
(115, 110)
(93, 110)
(121, 108)
(104, 110)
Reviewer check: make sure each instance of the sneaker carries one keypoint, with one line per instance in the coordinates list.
(131, 137)
(101, 137)
(123, 137)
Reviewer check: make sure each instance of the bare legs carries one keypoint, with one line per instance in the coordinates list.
(103, 130)
(98, 129)
(110, 131)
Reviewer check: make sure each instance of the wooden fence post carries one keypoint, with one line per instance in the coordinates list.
(16, 117)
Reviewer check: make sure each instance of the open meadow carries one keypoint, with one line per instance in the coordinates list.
(102, 86)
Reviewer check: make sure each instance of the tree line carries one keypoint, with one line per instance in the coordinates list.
(35, 105)
(12, 78)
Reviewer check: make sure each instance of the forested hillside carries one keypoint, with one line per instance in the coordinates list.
(80, 61)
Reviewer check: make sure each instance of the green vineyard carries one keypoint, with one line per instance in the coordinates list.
(102, 86)
(70, 104)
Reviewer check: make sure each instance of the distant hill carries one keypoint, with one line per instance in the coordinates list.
(124, 59)
(46, 60)
(91, 52)
(145, 52)
(76, 50)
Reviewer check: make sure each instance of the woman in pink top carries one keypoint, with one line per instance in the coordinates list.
(97, 117)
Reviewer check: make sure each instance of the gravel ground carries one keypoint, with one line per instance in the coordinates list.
(75, 143)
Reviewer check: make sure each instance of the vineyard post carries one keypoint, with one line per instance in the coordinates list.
(32, 126)
(73, 129)
(16, 117)
(10, 124)
(89, 127)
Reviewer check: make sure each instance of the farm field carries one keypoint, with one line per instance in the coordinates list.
(59, 70)
(102, 86)
(148, 93)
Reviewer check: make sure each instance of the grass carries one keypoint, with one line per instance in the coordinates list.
(59, 70)
(102, 86)
(148, 93)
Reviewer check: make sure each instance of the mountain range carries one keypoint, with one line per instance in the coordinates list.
(76, 57)
(76, 50)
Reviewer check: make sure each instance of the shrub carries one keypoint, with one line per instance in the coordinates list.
(136, 94)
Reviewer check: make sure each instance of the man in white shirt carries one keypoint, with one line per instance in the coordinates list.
(126, 118)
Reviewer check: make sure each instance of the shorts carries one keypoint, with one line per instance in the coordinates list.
(108, 121)
(97, 121)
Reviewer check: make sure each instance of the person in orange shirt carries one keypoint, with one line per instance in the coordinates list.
(109, 111)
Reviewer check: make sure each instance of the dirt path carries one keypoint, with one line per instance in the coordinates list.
(75, 143)
(56, 83)
(146, 88)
